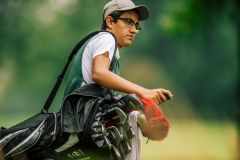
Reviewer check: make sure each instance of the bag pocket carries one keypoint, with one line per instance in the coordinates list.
(35, 133)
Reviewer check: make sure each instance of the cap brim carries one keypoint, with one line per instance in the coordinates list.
(141, 9)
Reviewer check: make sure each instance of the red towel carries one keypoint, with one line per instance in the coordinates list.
(157, 125)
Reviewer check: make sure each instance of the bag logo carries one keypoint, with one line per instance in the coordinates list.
(77, 154)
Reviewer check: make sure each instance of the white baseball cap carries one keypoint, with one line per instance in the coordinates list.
(125, 5)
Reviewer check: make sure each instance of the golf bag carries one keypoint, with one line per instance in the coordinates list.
(92, 113)
(100, 120)
(100, 123)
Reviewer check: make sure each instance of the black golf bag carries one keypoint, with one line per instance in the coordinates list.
(97, 121)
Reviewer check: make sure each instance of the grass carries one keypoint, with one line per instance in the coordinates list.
(195, 140)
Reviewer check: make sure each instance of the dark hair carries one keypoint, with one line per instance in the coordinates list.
(115, 15)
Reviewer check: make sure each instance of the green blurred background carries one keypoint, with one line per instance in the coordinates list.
(188, 46)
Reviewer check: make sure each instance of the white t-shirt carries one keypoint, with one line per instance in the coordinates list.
(99, 44)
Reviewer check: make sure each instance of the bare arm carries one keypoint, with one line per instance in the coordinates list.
(106, 78)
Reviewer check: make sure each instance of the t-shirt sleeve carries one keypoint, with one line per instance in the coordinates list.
(102, 44)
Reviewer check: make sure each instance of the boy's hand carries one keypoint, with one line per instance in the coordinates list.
(158, 95)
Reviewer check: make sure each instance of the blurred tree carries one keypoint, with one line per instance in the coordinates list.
(196, 41)
(35, 41)
(238, 87)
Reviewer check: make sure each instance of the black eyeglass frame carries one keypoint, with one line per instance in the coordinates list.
(129, 22)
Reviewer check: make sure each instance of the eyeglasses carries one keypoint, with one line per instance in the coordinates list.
(129, 22)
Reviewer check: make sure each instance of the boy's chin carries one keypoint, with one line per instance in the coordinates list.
(127, 44)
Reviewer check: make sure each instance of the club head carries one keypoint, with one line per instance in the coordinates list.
(115, 153)
(97, 137)
(119, 115)
(128, 130)
(132, 102)
(109, 144)
(126, 147)
(116, 136)
(101, 133)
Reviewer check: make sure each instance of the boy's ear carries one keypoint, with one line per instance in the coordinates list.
(109, 22)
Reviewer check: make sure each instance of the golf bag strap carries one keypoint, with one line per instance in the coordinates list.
(55, 88)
